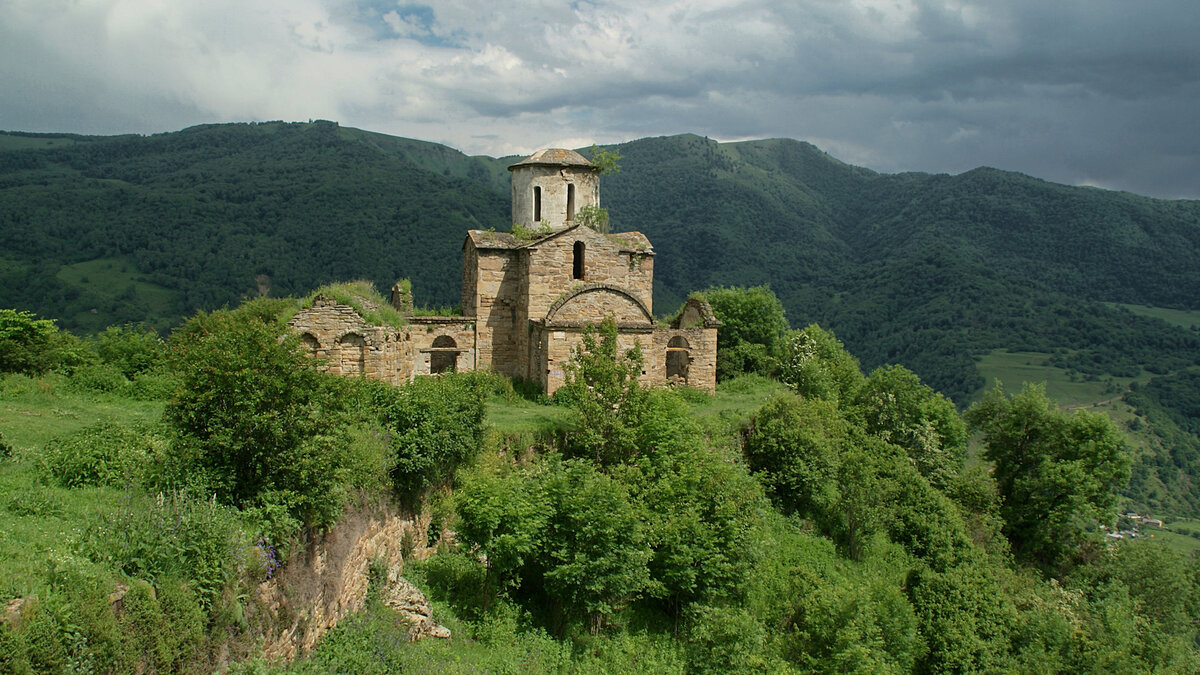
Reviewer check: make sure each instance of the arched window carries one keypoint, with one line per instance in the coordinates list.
(537, 204)
(577, 267)
(677, 360)
(570, 201)
(444, 356)
(310, 344)
(352, 354)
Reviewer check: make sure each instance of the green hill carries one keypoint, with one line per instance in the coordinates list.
(933, 271)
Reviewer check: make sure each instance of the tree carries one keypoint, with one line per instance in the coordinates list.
(752, 330)
(795, 446)
(895, 406)
(816, 365)
(132, 349)
(602, 386)
(605, 160)
(256, 419)
(434, 424)
(36, 346)
(1058, 473)
(595, 554)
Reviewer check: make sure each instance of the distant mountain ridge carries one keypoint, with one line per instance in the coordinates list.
(205, 211)
(932, 271)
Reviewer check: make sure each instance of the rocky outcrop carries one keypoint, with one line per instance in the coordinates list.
(329, 581)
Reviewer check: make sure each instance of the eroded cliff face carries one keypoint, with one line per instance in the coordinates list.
(328, 581)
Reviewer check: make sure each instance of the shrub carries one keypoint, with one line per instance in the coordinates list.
(435, 425)
(171, 535)
(101, 378)
(130, 349)
(254, 417)
(725, 640)
(105, 453)
(752, 331)
(35, 346)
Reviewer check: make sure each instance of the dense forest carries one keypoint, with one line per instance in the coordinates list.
(934, 272)
(825, 519)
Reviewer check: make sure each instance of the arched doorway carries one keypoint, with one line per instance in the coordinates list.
(352, 354)
(443, 358)
(677, 360)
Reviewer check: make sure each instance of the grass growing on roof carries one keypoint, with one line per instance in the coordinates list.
(364, 298)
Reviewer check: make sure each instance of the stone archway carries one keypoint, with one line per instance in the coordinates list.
(443, 357)
(311, 345)
(678, 357)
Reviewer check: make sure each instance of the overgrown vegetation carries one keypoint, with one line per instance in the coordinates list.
(153, 528)
(809, 517)
(362, 296)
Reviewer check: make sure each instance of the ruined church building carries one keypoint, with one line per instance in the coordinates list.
(525, 302)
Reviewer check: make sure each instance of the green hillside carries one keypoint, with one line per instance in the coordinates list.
(933, 271)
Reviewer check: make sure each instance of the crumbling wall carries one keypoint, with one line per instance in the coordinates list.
(345, 345)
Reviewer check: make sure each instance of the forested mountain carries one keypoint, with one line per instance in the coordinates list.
(929, 270)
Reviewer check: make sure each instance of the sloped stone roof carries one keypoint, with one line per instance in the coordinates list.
(555, 157)
(631, 241)
(492, 239)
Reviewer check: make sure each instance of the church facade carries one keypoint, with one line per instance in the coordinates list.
(527, 296)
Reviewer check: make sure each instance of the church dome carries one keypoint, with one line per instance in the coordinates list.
(554, 157)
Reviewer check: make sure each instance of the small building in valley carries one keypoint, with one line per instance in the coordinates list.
(527, 296)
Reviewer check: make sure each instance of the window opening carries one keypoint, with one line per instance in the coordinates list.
(310, 343)
(578, 266)
(677, 360)
(444, 356)
(537, 204)
(570, 201)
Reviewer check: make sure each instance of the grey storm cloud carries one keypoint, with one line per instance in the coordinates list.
(1098, 92)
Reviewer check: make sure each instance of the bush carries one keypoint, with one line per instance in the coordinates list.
(752, 331)
(36, 346)
(435, 424)
(130, 349)
(171, 535)
(254, 417)
(100, 378)
(105, 453)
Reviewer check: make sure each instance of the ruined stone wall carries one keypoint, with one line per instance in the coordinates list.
(553, 181)
(470, 279)
(346, 345)
(701, 354)
(554, 346)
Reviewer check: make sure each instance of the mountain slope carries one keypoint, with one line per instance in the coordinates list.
(932, 271)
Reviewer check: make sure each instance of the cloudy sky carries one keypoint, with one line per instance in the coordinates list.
(1092, 92)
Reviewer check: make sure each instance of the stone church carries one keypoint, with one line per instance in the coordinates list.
(527, 299)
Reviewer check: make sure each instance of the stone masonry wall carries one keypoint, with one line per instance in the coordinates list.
(497, 295)
(607, 259)
(555, 346)
(338, 336)
(594, 304)
(702, 356)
